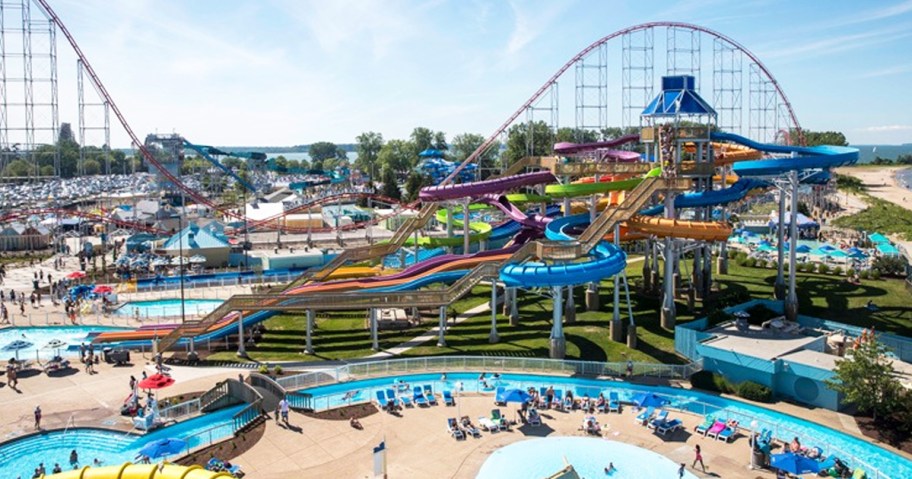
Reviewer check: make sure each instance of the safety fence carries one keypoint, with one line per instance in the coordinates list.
(181, 410)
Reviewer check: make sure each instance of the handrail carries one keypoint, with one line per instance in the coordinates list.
(179, 410)
(219, 390)
(247, 415)
(267, 383)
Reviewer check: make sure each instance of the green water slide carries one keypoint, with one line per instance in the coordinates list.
(480, 230)
(573, 190)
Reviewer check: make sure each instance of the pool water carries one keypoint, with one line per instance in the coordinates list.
(22, 456)
(40, 336)
(168, 307)
(543, 457)
(848, 448)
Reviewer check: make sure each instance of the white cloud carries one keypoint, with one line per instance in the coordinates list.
(883, 128)
(894, 70)
(836, 44)
(888, 12)
(532, 21)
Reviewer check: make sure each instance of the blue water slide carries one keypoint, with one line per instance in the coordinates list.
(606, 260)
(735, 192)
(807, 157)
(204, 152)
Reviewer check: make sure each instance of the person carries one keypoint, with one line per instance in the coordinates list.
(74, 458)
(610, 469)
(681, 471)
(278, 413)
(698, 457)
(37, 474)
(96, 462)
(132, 383)
(37, 417)
(629, 368)
(145, 376)
(283, 406)
(355, 423)
(57, 469)
(41, 468)
(795, 445)
(549, 395)
(443, 377)
(90, 363)
(11, 376)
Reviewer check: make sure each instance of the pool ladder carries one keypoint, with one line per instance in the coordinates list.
(71, 421)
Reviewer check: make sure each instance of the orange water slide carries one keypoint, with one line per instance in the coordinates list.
(696, 230)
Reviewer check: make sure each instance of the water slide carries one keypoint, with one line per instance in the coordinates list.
(573, 190)
(204, 152)
(805, 157)
(479, 188)
(140, 471)
(567, 148)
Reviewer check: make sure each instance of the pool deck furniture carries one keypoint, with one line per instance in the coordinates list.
(429, 395)
(453, 428)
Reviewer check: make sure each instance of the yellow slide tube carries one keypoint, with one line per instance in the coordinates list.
(140, 471)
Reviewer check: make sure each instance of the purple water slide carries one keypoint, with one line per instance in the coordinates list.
(478, 188)
(500, 202)
(566, 148)
(624, 156)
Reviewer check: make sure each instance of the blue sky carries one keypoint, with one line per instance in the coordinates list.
(283, 72)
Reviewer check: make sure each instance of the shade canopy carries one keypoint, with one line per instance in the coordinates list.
(103, 289)
(76, 275)
(794, 464)
(649, 400)
(515, 395)
(55, 344)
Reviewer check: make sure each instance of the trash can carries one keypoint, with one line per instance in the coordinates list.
(106, 354)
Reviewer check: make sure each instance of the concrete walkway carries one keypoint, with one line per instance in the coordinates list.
(431, 334)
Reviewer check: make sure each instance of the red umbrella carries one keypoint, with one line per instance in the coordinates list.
(103, 289)
(76, 275)
(156, 381)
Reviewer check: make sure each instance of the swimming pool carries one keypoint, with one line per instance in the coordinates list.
(40, 336)
(22, 456)
(168, 307)
(856, 451)
(589, 456)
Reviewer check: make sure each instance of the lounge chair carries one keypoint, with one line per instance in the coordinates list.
(487, 425)
(429, 395)
(591, 425)
(56, 364)
(498, 396)
(381, 399)
(453, 428)
(558, 400)
(468, 427)
(728, 433)
(658, 420)
(669, 426)
(859, 473)
(644, 416)
(418, 397)
(498, 419)
(716, 428)
(534, 417)
(614, 404)
(707, 423)
(448, 398)
(217, 465)
(403, 400)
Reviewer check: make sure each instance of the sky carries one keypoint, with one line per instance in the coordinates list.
(288, 72)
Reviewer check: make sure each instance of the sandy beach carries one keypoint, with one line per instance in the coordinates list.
(882, 183)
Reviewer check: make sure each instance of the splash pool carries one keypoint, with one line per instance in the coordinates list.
(588, 456)
(168, 307)
(22, 456)
(857, 452)
(40, 336)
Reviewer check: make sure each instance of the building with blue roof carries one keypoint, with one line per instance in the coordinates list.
(194, 240)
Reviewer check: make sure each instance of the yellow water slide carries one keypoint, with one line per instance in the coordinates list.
(140, 471)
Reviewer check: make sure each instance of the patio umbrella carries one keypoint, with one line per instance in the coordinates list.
(156, 381)
(16, 346)
(827, 247)
(856, 253)
(197, 259)
(794, 464)
(76, 275)
(177, 260)
(803, 248)
(649, 400)
(103, 289)
(162, 447)
(515, 395)
(56, 345)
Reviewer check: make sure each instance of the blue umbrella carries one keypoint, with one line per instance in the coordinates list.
(794, 464)
(162, 447)
(649, 400)
(515, 395)
(803, 248)
(856, 253)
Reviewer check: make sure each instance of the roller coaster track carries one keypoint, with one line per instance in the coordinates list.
(82, 214)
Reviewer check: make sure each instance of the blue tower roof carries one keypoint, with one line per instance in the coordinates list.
(678, 97)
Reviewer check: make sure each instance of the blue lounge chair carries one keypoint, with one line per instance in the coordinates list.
(558, 400)
(707, 423)
(614, 404)
(498, 396)
(658, 420)
(448, 398)
(644, 416)
(403, 400)
(429, 395)
(728, 433)
(418, 397)
(669, 426)
(381, 399)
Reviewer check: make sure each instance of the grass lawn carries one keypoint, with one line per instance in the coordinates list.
(338, 335)
(343, 337)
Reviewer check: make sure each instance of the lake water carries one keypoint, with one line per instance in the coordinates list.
(904, 178)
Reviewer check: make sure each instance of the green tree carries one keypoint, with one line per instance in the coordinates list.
(413, 185)
(66, 134)
(867, 380)
(324, 150)
(576, 135)
(390, 186)
(815, 138)
(466, 144)
(422, 138)
(518, 141)
(440, 142)
(233, 163)
(92, 166)
(398, 155)
(18, 167)
(368, 148)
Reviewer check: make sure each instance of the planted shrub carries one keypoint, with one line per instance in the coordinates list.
(755, 392)
(875, 273)
(865, 274)
(823, 269)
(837, 270)
(851, 272)
(263, 369)
(750, 262)
(710, 381)
(277, 370)
(718, 317)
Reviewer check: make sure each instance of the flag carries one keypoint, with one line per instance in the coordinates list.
(380, 460)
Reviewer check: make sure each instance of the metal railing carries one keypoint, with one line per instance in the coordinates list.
(180, 410)
(300, 401)
(217, 392)
(247, 415)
